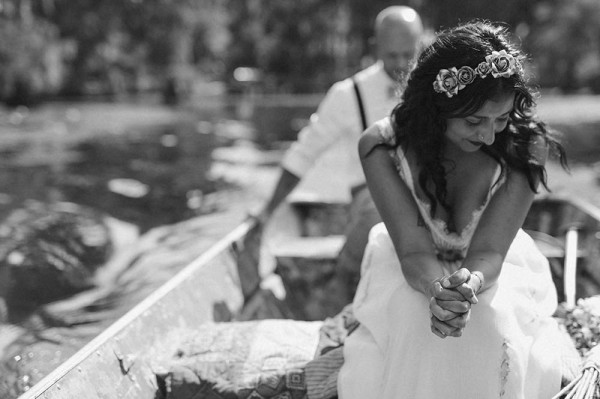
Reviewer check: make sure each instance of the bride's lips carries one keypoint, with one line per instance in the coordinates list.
(476, 143)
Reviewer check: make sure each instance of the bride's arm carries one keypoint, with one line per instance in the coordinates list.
(400, 214)
(501, 221)
(498, 227)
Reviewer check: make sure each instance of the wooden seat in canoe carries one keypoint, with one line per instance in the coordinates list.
(306, 265)
(313, 248)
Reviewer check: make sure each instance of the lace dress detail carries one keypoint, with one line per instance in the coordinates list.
(451, 246)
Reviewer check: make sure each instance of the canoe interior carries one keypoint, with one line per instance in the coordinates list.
(123, 360)
(548, 222)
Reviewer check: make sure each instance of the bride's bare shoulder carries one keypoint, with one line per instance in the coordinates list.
(378, 134)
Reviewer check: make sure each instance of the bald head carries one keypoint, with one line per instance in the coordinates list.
(398, 33)
(400, 16)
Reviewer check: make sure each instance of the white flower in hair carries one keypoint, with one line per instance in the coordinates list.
(483, 69)
(466, 75)
(447, 82)
(499, 64)
(503, 64)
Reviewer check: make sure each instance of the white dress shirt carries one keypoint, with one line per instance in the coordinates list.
(336, 125)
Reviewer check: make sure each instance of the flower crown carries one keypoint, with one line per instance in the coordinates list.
(499, 64)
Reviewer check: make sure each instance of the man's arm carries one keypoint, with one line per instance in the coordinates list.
(286, 183)
(326, 128)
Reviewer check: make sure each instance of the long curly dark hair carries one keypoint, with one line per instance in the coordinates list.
(419, 120)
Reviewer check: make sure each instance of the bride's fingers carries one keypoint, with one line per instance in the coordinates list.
(455, 279)
(467, 292)
(437, 332)
(458, 307)
(446, 294)
(450, 295)
(457, 332)
(459, 322)
(444, 330)
(439, 312)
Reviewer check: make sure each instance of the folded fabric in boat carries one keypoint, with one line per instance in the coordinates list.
(251, 359)
(322, 374)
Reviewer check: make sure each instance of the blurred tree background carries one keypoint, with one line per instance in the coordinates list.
(65, 48)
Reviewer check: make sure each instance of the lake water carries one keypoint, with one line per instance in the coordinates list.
(142, 165)
(145, 165)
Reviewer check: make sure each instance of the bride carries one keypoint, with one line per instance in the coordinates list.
(455, 300)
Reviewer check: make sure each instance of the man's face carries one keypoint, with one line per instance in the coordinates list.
(396, 48)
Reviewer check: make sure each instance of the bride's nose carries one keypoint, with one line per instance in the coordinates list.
(489, 135)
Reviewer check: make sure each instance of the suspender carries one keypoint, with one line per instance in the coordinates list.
(361, 107)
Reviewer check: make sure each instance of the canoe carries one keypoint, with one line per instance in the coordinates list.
(119, 361)
(227, 285)
(567, 232)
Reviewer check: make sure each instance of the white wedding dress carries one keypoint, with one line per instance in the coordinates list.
(508, 349)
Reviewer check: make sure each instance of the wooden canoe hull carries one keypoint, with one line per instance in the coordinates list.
(123, 361)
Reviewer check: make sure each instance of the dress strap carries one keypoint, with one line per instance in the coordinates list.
(497, 181)
(405, 171)
(388, 137)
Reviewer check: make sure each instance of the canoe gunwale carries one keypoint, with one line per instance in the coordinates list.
(51, 382)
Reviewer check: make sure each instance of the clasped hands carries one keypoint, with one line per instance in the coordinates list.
(451, 300)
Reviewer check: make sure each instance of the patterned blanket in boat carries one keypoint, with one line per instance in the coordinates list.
(252, 359)
(260, 359)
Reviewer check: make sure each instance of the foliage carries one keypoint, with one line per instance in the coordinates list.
(582, 322)
(120, 41)
(565, 41)
(122, 46)
(24, 50)
(290, 41)
(446, 13)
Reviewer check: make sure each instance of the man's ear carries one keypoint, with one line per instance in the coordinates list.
(372, 46)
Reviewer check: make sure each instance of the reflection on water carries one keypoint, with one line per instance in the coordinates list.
(146, 177)
(144, 167)
(106, 171)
